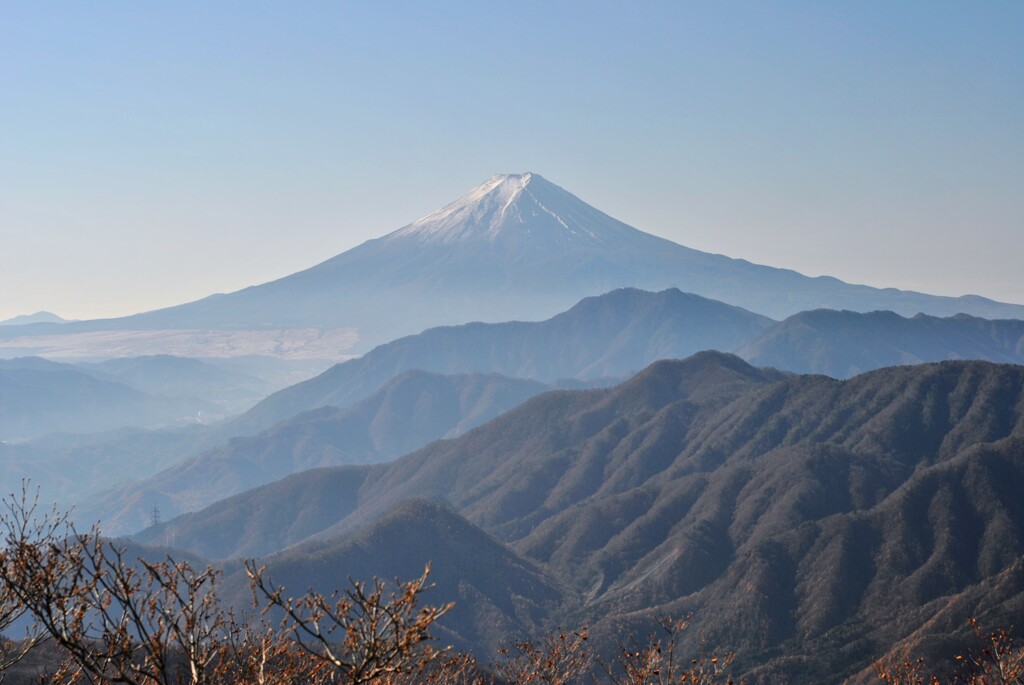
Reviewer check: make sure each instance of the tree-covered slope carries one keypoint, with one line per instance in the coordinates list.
(806, 522)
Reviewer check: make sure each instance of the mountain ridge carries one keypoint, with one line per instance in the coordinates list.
(608, 335)
(499, 595)
(599, 339)
(791, 516)
(412, 409)
(843, 343)
(38, 317)
(517, 245)
(806, 522)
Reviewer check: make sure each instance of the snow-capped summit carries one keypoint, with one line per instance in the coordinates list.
(515, 247)
(516, 208)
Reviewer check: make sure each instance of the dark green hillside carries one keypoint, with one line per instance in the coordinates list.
(838, 590)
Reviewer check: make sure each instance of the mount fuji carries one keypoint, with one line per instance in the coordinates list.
(515, 247)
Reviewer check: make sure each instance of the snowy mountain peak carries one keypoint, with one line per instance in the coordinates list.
(522, 208)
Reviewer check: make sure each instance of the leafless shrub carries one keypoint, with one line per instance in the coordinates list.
(555, 660)
(117, 621)
(18, 517)
(998, 661)
(361, 635)
(657, 661)
(902, 671)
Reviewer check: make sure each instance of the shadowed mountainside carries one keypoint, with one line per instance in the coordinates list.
(624, 330)
(406, 413)
(610, 335)
(808, 523)
(843, 344)
(499, 596)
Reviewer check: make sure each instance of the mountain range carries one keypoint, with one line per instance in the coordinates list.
(806, 467)
(404, 414)
(808, 523)
(599, 340)
(619, 333)
(38, 317)
(515, 247)
(611, 336)
(844, 344)
(38, 396)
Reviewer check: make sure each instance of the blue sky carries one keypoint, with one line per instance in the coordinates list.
(151, 154)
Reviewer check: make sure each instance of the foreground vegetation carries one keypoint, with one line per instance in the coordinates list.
(996, 660)
(99, 616)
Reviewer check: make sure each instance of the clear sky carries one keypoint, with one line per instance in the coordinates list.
(155, 153)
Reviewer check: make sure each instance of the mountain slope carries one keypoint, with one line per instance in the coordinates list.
(38, 396)
(520, 245)
(491, 458)
(843, 344)
(499, 596)
(291, 510)
(515, 247)
(172, 376)
(610, 334)
(806, 522)
(606, 336)
(38, 317)
(406, 413)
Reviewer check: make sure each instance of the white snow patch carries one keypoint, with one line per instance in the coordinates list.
(510, 205)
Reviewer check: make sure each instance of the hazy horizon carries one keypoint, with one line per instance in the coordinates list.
(155, 155)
